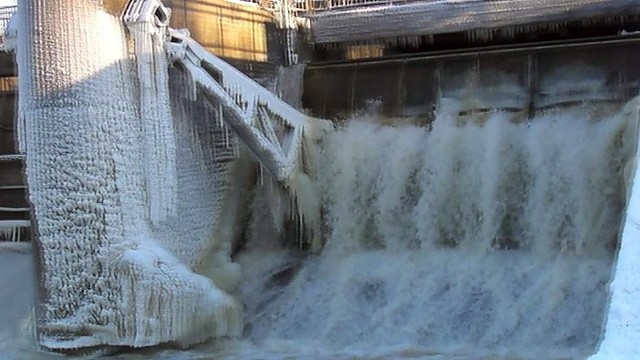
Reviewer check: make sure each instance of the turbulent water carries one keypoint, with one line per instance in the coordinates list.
(478, 236)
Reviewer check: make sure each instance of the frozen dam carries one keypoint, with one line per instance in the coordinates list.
(472, 196)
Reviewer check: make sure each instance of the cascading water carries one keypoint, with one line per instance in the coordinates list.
(478, 235)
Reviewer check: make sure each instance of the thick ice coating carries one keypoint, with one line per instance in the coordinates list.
(127, 199)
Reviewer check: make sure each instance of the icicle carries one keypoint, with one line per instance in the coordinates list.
(156, 121)
(261, 174)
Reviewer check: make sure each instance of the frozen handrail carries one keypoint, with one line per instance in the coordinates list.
(271, 129)
(276, 135)
(6, 12)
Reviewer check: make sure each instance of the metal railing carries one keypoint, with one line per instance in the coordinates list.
(311, 6)
(319, 5)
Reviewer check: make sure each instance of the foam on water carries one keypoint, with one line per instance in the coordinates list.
(479, 235)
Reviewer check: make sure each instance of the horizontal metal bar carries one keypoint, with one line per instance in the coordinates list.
(13, 209)
(11, 157)
(14, 223)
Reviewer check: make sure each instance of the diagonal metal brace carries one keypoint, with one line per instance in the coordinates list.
(272, 130)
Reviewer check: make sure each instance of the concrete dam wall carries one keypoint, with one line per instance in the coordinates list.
(519, 79)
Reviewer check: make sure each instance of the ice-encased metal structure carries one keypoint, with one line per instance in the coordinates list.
(136, 179)
(115, 252)
(135, 201)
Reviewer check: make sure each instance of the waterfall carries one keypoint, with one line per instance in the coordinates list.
(480, 232)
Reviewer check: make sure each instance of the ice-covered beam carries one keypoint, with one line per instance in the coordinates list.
(277, 136)
(256, 114)
(437, 17)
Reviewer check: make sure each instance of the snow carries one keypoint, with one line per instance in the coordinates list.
(622, 324)
(17, 282)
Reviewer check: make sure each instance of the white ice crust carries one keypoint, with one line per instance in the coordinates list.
(127, 194)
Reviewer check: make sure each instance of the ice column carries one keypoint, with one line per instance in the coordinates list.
(156, 122)
(105, 277)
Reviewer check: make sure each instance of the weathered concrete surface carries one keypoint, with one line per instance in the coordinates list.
(438, 17)
(519, 79)
(233, 30)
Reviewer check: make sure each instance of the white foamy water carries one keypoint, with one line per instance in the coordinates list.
(483, 236)
(480, 237)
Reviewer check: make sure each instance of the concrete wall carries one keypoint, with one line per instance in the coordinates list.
(232, 30)
(522, 79)
(227, 29)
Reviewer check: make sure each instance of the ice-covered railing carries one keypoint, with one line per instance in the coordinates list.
(13, 230)
(6, 12)
(275, 134)
(272, 130)
(320, 5)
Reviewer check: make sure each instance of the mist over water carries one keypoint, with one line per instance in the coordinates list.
(479, 234)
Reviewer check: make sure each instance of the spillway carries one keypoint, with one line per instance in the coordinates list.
(481, 235)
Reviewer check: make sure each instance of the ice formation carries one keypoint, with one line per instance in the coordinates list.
(155, 112)
(130, 175)
(279, 137)
(622, 326)
(121, 262)
(13, 230)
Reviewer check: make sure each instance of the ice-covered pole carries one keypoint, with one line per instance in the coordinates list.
(105, 277)
(73, 89)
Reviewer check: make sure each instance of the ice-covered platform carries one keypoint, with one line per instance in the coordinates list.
(364, 20)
